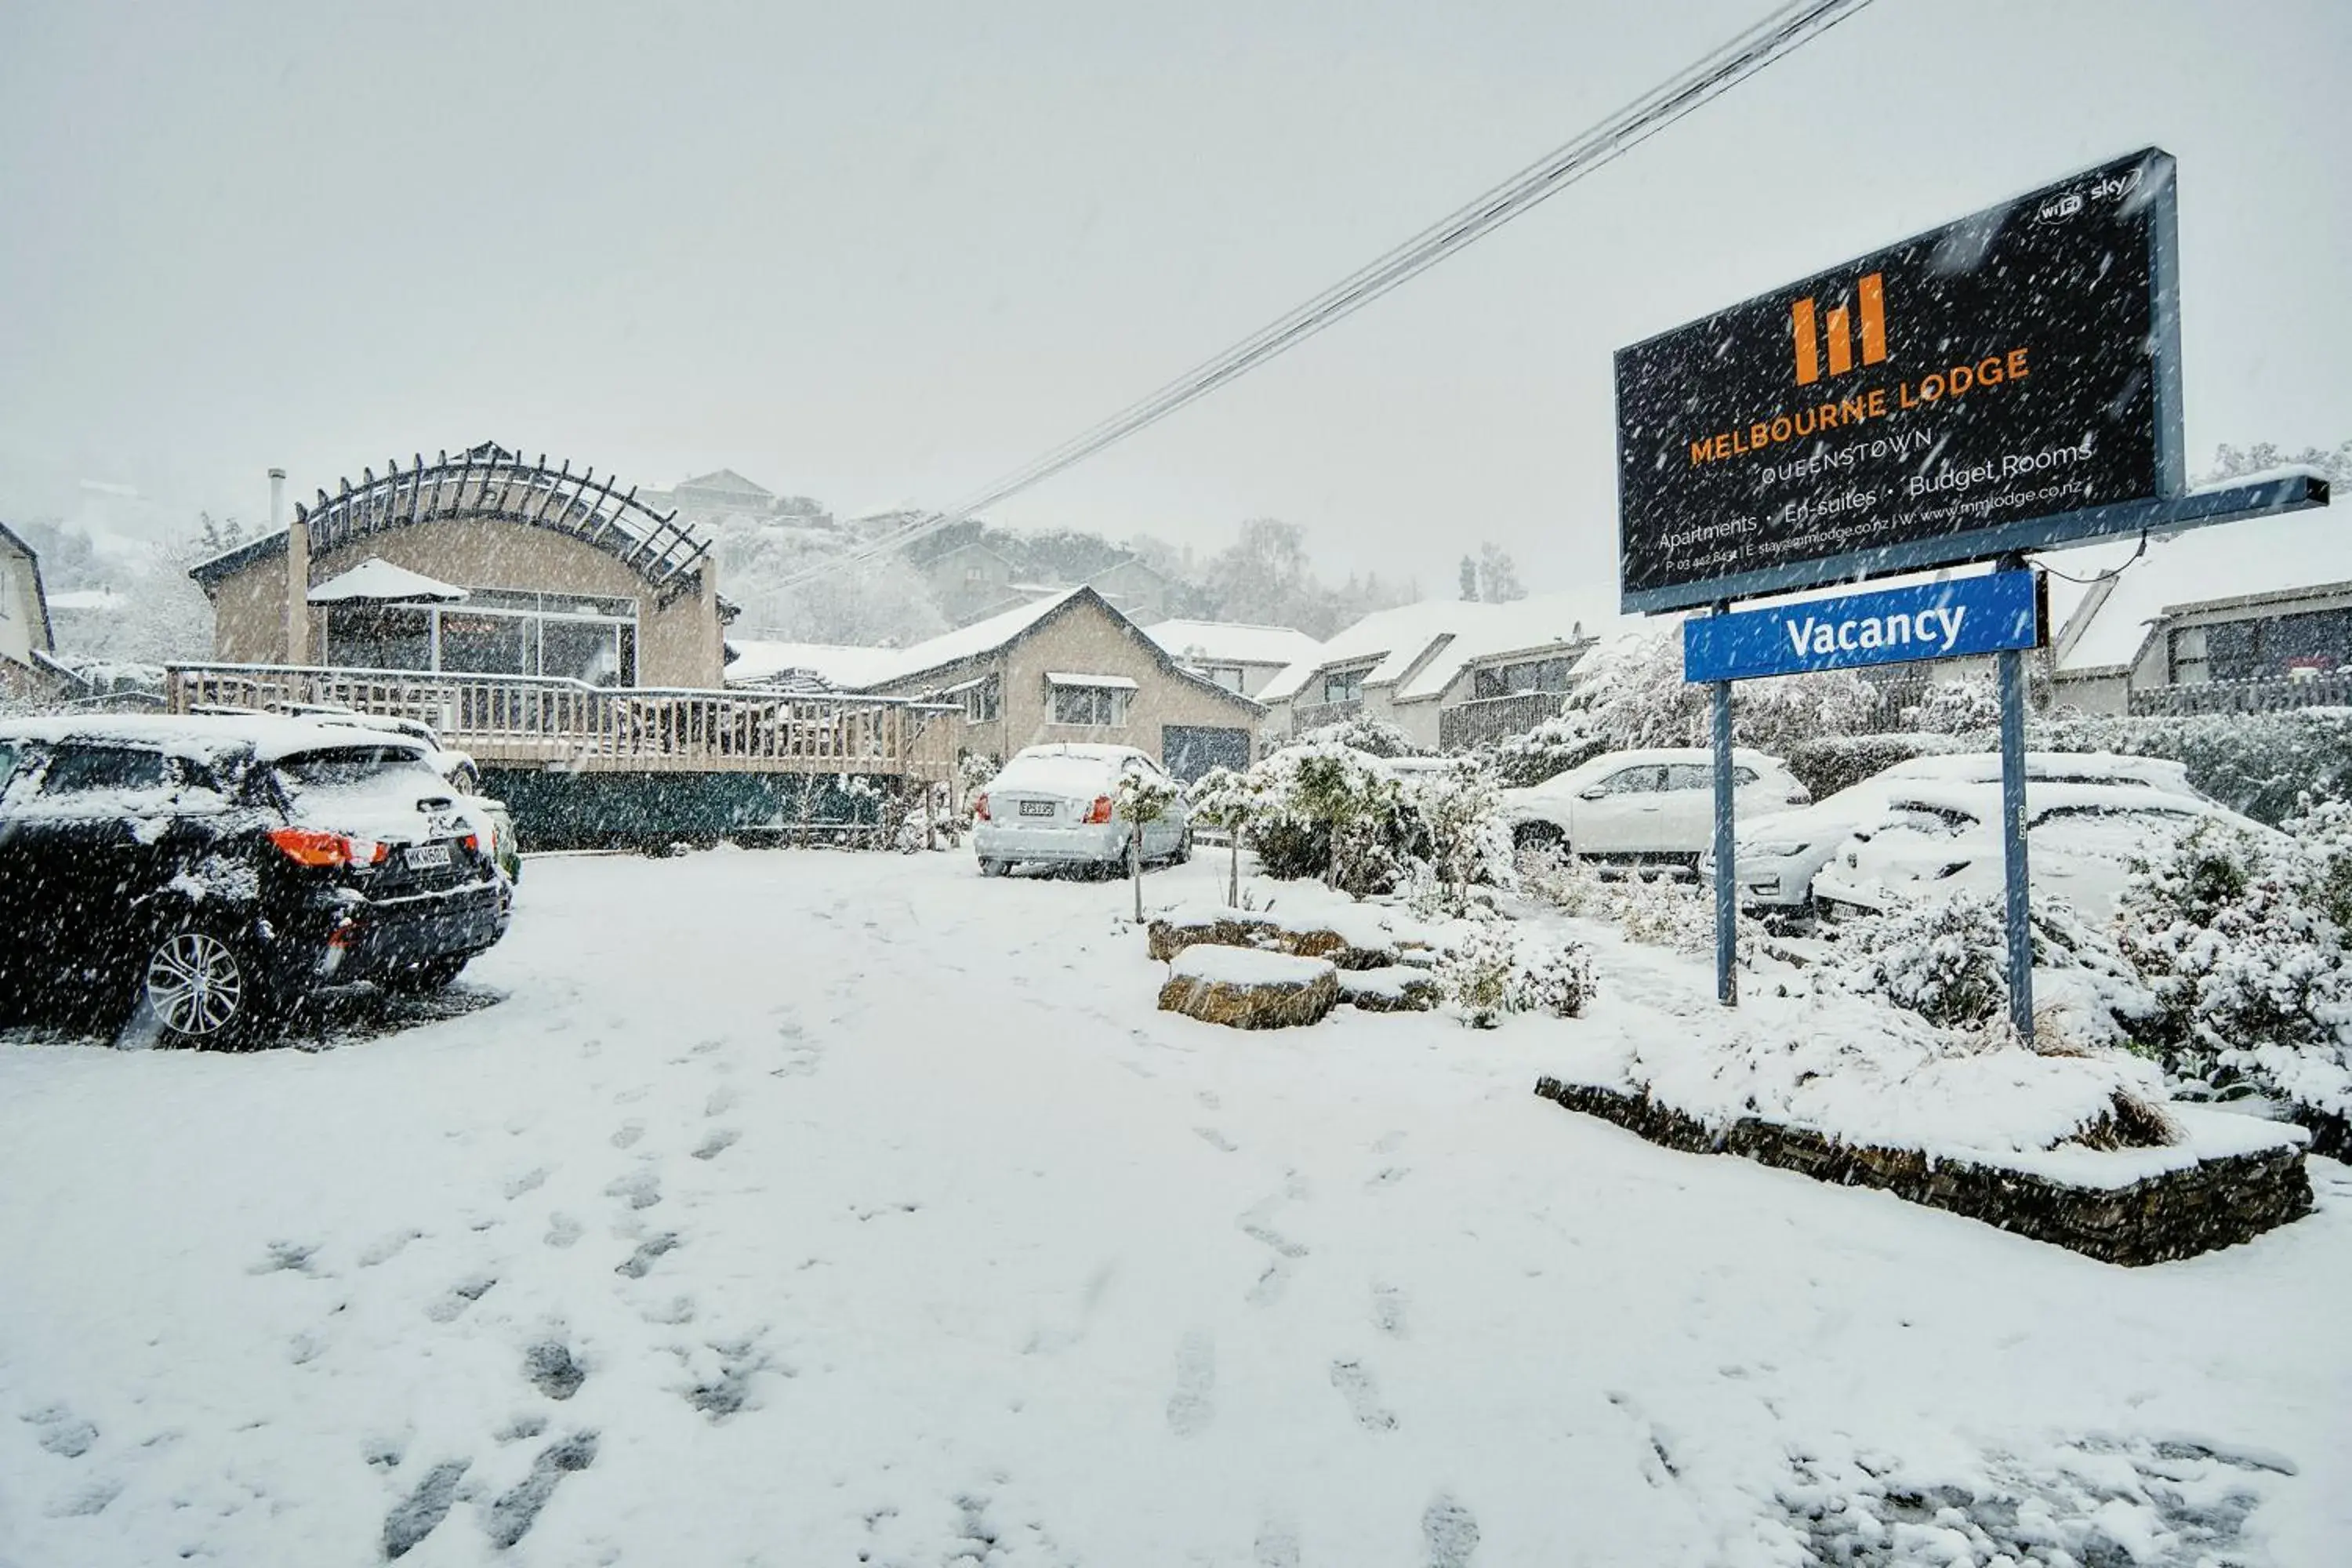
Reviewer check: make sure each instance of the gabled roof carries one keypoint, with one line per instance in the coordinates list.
(40, 596)
(999, 632)
(848, 668)
(728, 481)
(1420, 649)
(2275, 557)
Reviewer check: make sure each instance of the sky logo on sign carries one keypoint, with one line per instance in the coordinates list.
(1870, 301)
(1927, 620)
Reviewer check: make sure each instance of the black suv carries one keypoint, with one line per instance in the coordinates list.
(201, 876)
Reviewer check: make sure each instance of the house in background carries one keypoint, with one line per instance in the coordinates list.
(1236, 656)
(724, 493)
(2243, 615)
(970, 583)
(27, 672)
(1445, 672)
(1072, 667)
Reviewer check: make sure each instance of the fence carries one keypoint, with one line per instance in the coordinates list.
(505, 720)
(2274, 695)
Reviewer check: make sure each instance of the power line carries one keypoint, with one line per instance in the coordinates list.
(1785, 30)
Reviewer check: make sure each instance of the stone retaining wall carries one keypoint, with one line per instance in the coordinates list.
(2178, 1213)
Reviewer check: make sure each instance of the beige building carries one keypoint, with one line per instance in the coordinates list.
(26, 671)
(1072, 667)
(484, 563)
(1235, 654)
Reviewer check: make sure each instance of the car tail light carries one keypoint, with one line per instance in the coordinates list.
(317, 846)
(980, 808)
(473, 843)
(1100, 810)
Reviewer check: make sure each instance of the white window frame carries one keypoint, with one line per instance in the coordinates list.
(1100, 706)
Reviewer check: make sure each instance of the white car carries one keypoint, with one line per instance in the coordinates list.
(2080, 843)
(1779, 858)
(1058, 804)
(1655, 806)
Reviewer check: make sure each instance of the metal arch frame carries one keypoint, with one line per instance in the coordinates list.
(665, 553)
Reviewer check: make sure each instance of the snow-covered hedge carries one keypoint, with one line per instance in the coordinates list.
(1659, 912)
(1832, 763)
(2243, 944)
(2259, 764)
(1373, 737)
(1549, 750)
(1333, 813)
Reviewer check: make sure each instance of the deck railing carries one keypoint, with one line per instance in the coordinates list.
(549, 722)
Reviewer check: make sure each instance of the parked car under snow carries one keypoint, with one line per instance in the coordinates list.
(201, 875)
(1651, 806)
(2082, 840)
(1058, 804)
(1780, 855)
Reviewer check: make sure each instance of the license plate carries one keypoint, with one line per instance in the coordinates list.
(428, 857)
(1037, 808)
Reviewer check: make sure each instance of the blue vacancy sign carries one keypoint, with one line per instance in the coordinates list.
(1928, 620)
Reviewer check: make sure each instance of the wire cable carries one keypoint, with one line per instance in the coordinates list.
(1783, 31)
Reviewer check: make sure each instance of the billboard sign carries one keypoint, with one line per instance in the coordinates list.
(1986, 613)
(1988, 386)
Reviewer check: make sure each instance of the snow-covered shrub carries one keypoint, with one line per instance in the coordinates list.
(2259, 764)
(1480, 975)
(1549, 750)
(1332, 812)
(1943, 960)
(1557, 981)
(1373, 737)
(974, 770)
(1569, 885)
(1664, 913)
(1460, 808)
(2242, 942)
(1967, 706)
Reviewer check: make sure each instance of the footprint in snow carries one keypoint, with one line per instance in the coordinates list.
(1216, 1140)
(513, 1514)
(461, 1295)
(641, 1262)
(287, 1256)
(62, 1433)
(628, 1134)
(1387, 1176)
(1278, 1543)
(642, 1188)
(721, 1101)
(1192, 1406)
(562, 1230)
(550, 1366)
(388, 1249)
(418, 1514)
(1389, 1303)
(1271, 1284)
(529, 1182)
(1450, 1530)
(1355, 1383)
(721, 1139)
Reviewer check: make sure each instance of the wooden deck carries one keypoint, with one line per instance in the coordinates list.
(547, 722)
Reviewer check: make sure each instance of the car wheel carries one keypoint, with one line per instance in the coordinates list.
(1539, 836)
(199, 988)
(421, 979)
(994, 867)
(1183, 848)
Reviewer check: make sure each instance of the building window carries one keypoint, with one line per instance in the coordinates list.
(2275, 648)
(1534, 675)
(1343, 685)
(494, 632)
(1098, 707)
(984, 703)
(1228, 676)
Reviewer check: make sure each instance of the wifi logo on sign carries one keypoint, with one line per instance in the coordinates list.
(1870, 303)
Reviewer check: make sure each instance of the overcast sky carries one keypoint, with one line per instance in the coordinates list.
(880, 253)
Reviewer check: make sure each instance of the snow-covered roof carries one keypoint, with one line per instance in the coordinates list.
(380, 581)
(1110, 682)
(1232, 642)
(970, 642)
(1404, 644)
(99, 599)
(204, 737)
(836, 664)
(725, 481)
(2291, 552)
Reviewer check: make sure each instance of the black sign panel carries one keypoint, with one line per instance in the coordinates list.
(1902, 411)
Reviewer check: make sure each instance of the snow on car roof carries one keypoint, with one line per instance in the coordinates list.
(1638, 756)
(204, 737)
(1098, 751)
(1981, 799)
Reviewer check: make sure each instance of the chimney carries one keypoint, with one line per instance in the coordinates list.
(297, 572)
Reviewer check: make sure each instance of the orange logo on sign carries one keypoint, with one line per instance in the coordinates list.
(1871, 298)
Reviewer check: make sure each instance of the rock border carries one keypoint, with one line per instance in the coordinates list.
(2197, 1208)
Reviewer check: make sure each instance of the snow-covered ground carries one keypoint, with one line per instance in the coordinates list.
(800, 1208)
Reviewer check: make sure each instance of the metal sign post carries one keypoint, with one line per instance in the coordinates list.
(2018, 910)
(1726, 850)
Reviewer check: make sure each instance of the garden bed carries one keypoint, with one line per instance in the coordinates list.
(2229, 1180)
